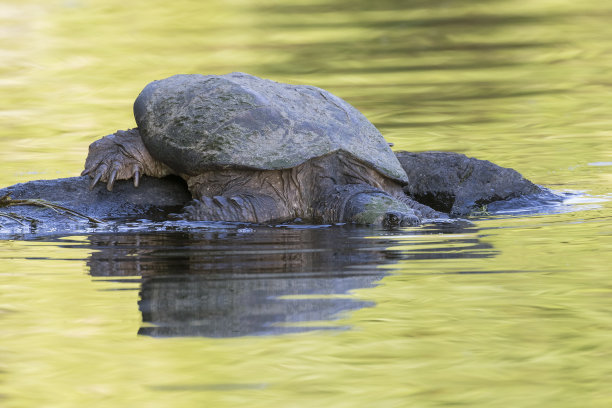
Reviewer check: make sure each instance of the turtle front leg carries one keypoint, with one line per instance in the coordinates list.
(121, 156)
(364, 204)
(252, 208)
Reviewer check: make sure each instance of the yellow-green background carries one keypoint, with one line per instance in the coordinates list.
(525, 84)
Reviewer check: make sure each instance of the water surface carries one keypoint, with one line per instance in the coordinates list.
(513, 310)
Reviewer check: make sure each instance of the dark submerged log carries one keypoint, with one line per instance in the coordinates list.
(154, 199)
(448, 182)
(458, 185)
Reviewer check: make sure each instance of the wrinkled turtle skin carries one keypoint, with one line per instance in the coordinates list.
(254, 150)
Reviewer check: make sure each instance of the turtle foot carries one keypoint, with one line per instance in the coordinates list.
(217, 208)
(255, 208)
(121, 156)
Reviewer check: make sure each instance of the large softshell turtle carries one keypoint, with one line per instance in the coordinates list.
(256, 150)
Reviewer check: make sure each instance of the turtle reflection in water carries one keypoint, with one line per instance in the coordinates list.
(254, 150)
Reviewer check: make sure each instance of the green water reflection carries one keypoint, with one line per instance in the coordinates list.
(515, 314)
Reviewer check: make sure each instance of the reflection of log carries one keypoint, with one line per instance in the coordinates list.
(226, 283)
(198, 305)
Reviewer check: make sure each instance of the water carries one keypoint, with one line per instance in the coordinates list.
(513, 311)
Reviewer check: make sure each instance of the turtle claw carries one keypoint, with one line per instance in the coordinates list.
(136, 175)
(237, 201)
(220, 201)
(97, 176)
(111, 180)
(94, 181)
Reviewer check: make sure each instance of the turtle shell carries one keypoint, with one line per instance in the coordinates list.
(195, 123)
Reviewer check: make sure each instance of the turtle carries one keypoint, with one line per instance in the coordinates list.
(258, 151)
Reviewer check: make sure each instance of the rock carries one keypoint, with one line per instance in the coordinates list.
(456, 184)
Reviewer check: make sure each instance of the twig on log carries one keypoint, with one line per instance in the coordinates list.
(17, 218)
(7, 201)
